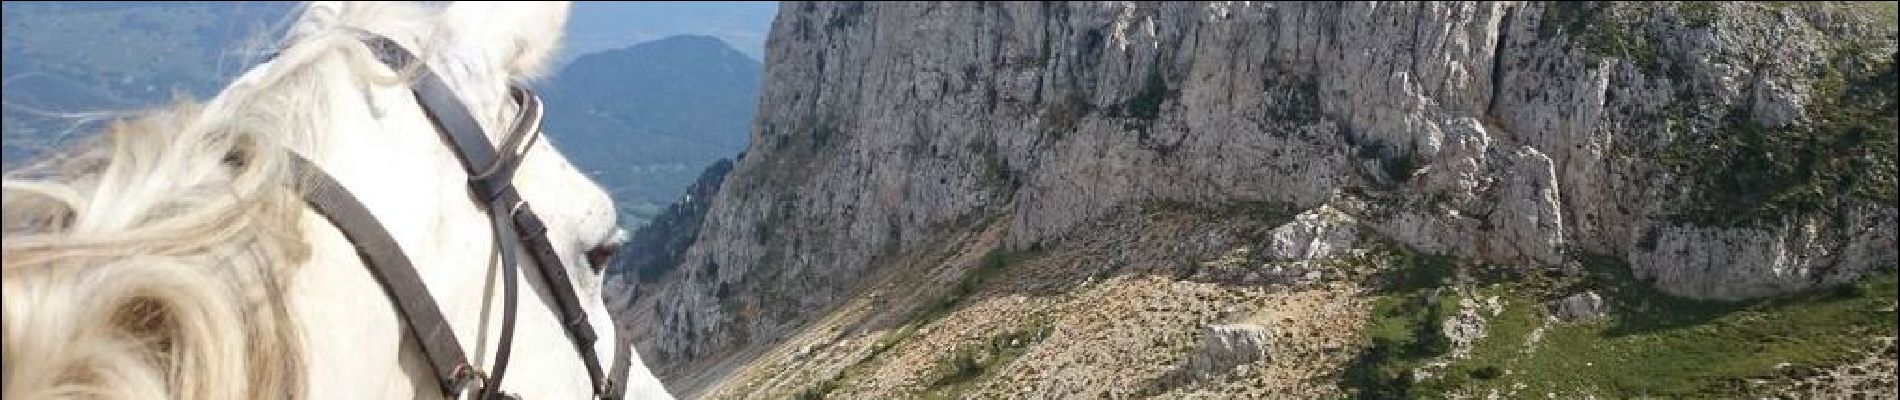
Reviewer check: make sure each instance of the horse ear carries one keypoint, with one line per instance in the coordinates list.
(523, 36)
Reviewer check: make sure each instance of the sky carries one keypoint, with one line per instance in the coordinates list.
(596, 26)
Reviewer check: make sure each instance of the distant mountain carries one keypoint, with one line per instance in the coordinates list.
(645, 120)
(62, 58)
(597, 26)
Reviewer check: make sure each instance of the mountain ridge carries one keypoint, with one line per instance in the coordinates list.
(1566, 139)
(646, 118)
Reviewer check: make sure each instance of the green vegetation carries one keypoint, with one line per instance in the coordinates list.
(1293, 98)
(969, 363)
(1649, 344)
(992, 264)
(846, 16)
(995, 174)
(885, 343)
(1602, 33)
(966, 364)
(1745, 173)
(1656, 345)
(819, 390)
(1063, 114)
(1753, 173)
(1883, 12)
(1146, 104)
(822, 135)
(1700, 14)
(1403, 332)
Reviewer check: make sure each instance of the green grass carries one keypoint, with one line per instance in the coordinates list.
(968, 364)
(1403, 334)
(1403, 331)
(1650, 344)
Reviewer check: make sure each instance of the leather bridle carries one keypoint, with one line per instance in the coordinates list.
(490, 173)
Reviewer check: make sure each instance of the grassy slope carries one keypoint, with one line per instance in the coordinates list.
(1648, 345)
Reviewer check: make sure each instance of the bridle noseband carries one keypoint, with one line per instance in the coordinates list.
(491, 173)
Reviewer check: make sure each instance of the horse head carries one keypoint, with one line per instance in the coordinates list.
(176, 255)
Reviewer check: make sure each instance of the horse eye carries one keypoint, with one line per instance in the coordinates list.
(598, 257)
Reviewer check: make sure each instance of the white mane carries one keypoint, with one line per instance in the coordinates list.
(171, 257)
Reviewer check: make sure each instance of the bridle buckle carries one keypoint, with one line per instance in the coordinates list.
(463, 376)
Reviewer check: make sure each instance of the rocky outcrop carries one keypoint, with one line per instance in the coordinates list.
(1469, 325)
(1225, 346)
(1869, 377)
(1315, 234)
(1581, 306)
(1724, 150)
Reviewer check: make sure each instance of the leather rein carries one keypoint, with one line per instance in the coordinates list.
(490, 172)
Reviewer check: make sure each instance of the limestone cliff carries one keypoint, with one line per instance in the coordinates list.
(1720, 151)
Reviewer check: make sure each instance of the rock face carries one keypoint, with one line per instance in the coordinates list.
(1314, 234)
(1724, 150)
(1580, 306)
(1225, 346)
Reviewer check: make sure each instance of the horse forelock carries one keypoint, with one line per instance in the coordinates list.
(151, 259)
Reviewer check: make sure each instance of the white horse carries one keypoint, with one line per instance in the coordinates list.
(172, 257)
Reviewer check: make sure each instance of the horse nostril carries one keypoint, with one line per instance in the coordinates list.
(598, 257)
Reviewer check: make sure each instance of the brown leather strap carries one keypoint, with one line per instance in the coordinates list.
(623, 363)
(491, 181)
(391, 267)
(510, 290)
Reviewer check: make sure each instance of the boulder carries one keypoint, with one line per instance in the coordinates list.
(1224, 347)
(1581, 306)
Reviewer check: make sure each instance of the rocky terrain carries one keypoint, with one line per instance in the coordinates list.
(1294, 199)
(1115, 313)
